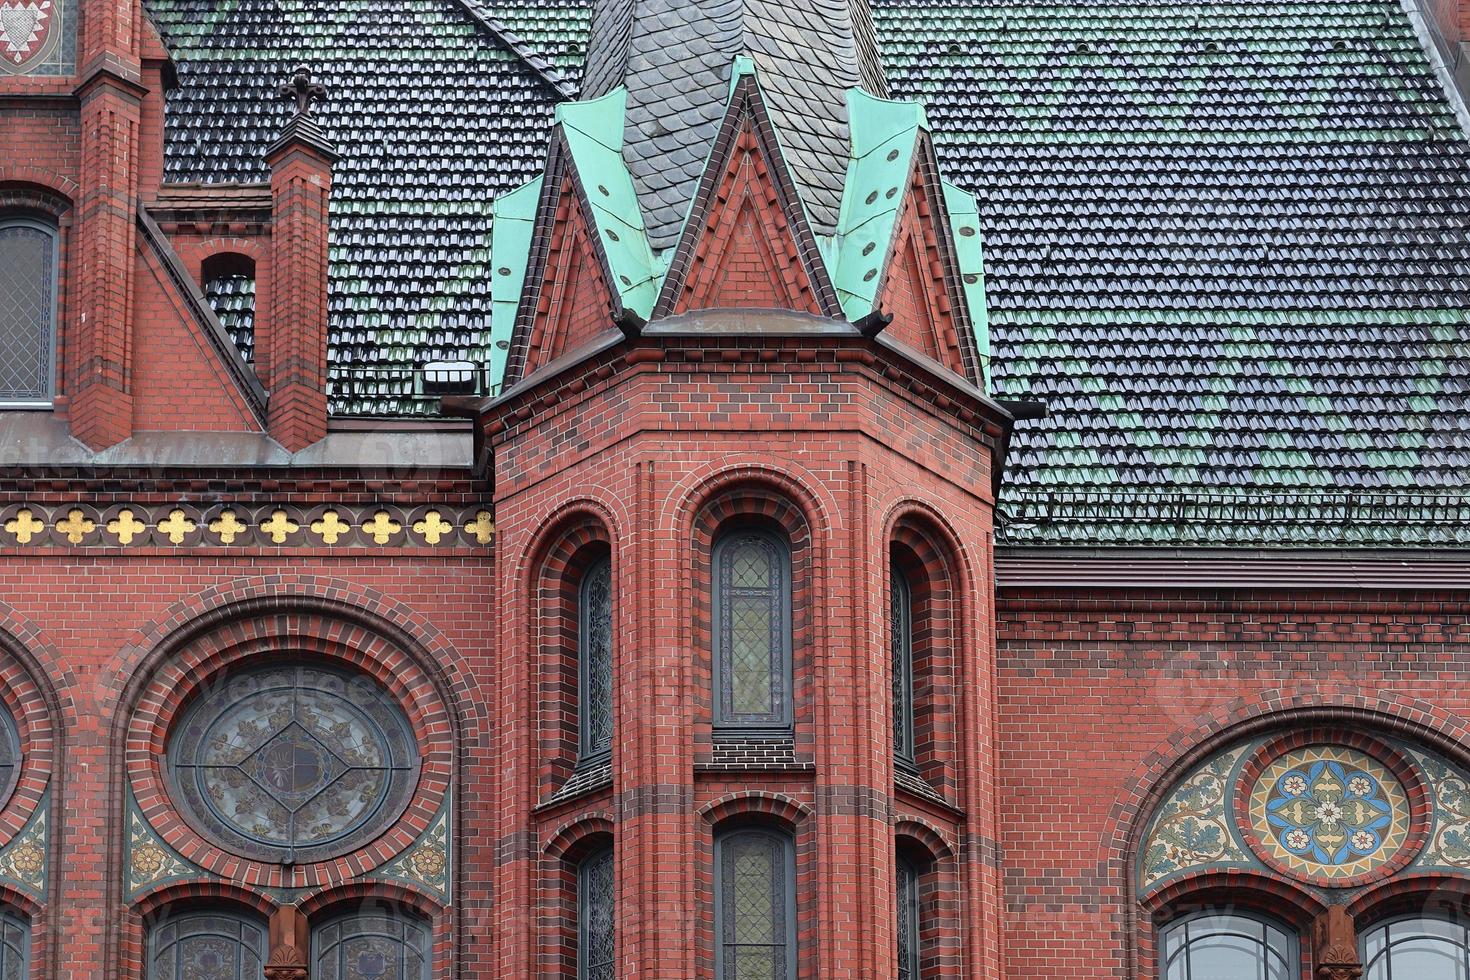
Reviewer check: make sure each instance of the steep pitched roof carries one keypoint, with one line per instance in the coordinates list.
(674, 57)
(1225, 243)
(1222, 240)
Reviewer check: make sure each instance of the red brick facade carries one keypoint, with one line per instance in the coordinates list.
(1048, 725)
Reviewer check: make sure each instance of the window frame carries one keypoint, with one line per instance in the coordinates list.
(1290, 955)
(901, 647)
(53, 232)
(788, 858)
(909, 885)
(237, 916)
(587, 749)
(404, 917)
(584, 870)
(1389, 943)
(783, 722)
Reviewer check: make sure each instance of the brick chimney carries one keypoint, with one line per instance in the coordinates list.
(291, 340)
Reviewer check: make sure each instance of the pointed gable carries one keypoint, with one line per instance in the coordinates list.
(574, 303)
(747, 243)
(914, 288)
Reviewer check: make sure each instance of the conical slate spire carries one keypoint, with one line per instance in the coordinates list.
(675, 58)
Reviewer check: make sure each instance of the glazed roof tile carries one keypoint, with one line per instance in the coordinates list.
(1223, 241)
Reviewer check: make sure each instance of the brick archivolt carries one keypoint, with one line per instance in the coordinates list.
(188, 525)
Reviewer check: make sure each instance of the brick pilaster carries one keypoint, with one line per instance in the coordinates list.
(99, 343)
(292, 337)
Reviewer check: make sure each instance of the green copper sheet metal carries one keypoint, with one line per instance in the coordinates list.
(510, 248)
(594, 134)
(884, 135)
(964, 221)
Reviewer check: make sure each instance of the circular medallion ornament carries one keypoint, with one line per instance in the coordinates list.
(1327, 813)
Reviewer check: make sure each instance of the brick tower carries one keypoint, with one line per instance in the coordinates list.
(744, 468)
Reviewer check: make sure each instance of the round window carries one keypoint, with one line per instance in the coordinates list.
(293, 764)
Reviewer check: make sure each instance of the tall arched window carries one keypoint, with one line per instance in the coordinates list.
(216, 945)
(595, 659)
(27, 311)
(755, 905)
(1218, 945)
(752, 630)
(371, 945)
(908, 920)
(595, 920)
(901, 637)
(1417, 949)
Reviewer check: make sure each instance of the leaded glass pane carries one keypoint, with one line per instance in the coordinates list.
(207, 946)
(1417, 949)
(15, 947)
(901, 634)
(755, 912)
(1213, 946)
(27, 310)
(372, 946)
(597, 659)
(753, 604)
(294, 762)
(908, 921)
(596, 907)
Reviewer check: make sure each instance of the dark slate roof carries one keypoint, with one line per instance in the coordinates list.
(1224, 241)
(434, 114)
(675, 57)
(1226, 245)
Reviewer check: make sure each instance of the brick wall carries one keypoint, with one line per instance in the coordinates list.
(1103, 696)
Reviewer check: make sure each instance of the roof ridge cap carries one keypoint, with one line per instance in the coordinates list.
(540, 65)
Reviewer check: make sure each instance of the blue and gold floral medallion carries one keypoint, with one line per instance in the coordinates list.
(1328, 812)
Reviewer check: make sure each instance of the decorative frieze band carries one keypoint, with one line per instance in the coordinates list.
(184, 525)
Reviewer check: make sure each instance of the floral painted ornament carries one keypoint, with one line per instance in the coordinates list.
(1328, 812)
(29, 31)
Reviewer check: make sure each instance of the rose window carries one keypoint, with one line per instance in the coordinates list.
(293, 764)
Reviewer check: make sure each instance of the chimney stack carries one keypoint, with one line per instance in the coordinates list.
(291, 337)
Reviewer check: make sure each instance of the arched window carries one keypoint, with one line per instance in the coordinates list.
(752, 630)
(901, 636)
(371, 945)
(216, 945)
(908, 920)
(595, 658)
(1417, 949)
(27, 312)
(755, 905)
(595, 930)
(1224, 946)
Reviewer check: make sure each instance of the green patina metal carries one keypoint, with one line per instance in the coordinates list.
(964, 220)
(515, 220)
(593, 132)
(885, 135)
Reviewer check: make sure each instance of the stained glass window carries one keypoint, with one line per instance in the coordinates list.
(901, 637)
(1417, 949)
(596, 656)
(375, 945)
(595, 904)
(27, 311)
(908, 921)
(1224, 946)
(15, 947)
(205, 946)
(752, 604)
(294, 763)
(755, 907)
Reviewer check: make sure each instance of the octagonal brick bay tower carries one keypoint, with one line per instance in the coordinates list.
(744, 474)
